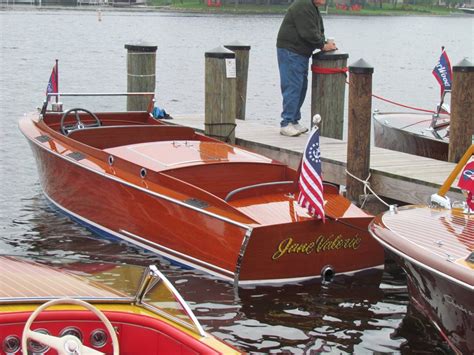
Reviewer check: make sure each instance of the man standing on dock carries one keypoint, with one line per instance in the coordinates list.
(301, 32)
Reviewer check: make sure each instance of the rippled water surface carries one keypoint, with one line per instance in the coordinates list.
(362, 317)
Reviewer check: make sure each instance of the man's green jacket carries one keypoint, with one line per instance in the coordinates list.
(302, 29)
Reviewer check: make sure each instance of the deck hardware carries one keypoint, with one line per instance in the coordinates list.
(43, 138)
(143, 173)
(327, 273)
(76, 156)
(439, 243)
(111, 160)
(196, 203)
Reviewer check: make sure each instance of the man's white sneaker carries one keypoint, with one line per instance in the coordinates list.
(289, 131)
(300, 128)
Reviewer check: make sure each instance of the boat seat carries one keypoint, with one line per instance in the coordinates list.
(114, 136)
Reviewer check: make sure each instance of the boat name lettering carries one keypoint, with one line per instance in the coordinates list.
(321, 244)
(453, 302)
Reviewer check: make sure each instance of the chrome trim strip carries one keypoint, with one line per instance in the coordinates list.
(420, 264)
(183, 303)
(243, 188)
(243, 247)
(177, 252)
(152, 193)
(152, 246)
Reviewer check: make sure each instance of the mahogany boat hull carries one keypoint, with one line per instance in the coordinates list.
(210, 235)
(447, 305)
(431, 246)
(409, 133)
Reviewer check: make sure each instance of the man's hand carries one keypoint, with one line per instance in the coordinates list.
(329, 46)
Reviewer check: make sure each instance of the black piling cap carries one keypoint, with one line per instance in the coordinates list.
(464, 66)
(361, 67)
(237, 45)
(219, 52)
(141, 47)
(331, 55)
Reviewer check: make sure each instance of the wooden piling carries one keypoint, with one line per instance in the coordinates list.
(242, 54)
(141, 68)
(461, 128)
(358, 139)
(220, 94)
(328, 88)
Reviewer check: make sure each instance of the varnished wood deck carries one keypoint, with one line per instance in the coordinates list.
(396, 175)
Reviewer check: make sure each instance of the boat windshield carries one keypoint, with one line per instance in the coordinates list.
(39, 279)
(99, 102)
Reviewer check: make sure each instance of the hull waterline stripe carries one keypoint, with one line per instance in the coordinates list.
(152, 193)
(420, 264)
(306, 278)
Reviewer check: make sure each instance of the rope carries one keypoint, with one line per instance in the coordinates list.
(321, 70)
(367, 187)
(406, 106)
(399, 104)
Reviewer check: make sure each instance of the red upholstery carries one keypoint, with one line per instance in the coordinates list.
(137, 334)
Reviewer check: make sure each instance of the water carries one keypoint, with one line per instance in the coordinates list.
(360, 318)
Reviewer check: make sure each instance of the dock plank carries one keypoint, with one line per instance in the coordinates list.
(396, 175)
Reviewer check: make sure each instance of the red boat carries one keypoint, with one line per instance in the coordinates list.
(435, 247)
(193, 199)
(60, 306)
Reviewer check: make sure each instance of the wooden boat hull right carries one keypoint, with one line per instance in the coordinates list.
(433, 247)
(409, 133)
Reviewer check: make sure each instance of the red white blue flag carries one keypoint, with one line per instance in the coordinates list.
(310, 181)
(52, 87)
(443, 72)
(466, 182)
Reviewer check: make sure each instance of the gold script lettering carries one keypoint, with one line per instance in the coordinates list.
(321, 244)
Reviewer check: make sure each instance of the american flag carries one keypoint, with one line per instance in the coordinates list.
(52, 87)
(310, 181)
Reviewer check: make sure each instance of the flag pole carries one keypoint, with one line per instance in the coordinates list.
(57, 80)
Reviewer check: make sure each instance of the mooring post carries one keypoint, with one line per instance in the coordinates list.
(328, 88)
(220, 94)
(358, 138)
(461, 127)
(141, 67)
(242, 54)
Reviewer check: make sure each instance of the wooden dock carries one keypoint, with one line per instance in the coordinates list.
(399, 176)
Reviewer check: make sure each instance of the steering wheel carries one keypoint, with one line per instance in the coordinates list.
(79, 124)
(68, 344)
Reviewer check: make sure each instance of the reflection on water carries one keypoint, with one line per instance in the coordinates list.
(344, 317)
(297, 319)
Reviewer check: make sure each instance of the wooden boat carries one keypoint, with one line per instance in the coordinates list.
(435, 247)
(193, 199)
(129, 309)
(420, 134)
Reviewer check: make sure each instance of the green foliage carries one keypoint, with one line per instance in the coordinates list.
(374, 8)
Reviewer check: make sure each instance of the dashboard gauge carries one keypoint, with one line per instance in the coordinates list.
(98, 338)
(11, 344)
(71, 331)
(36, 347)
